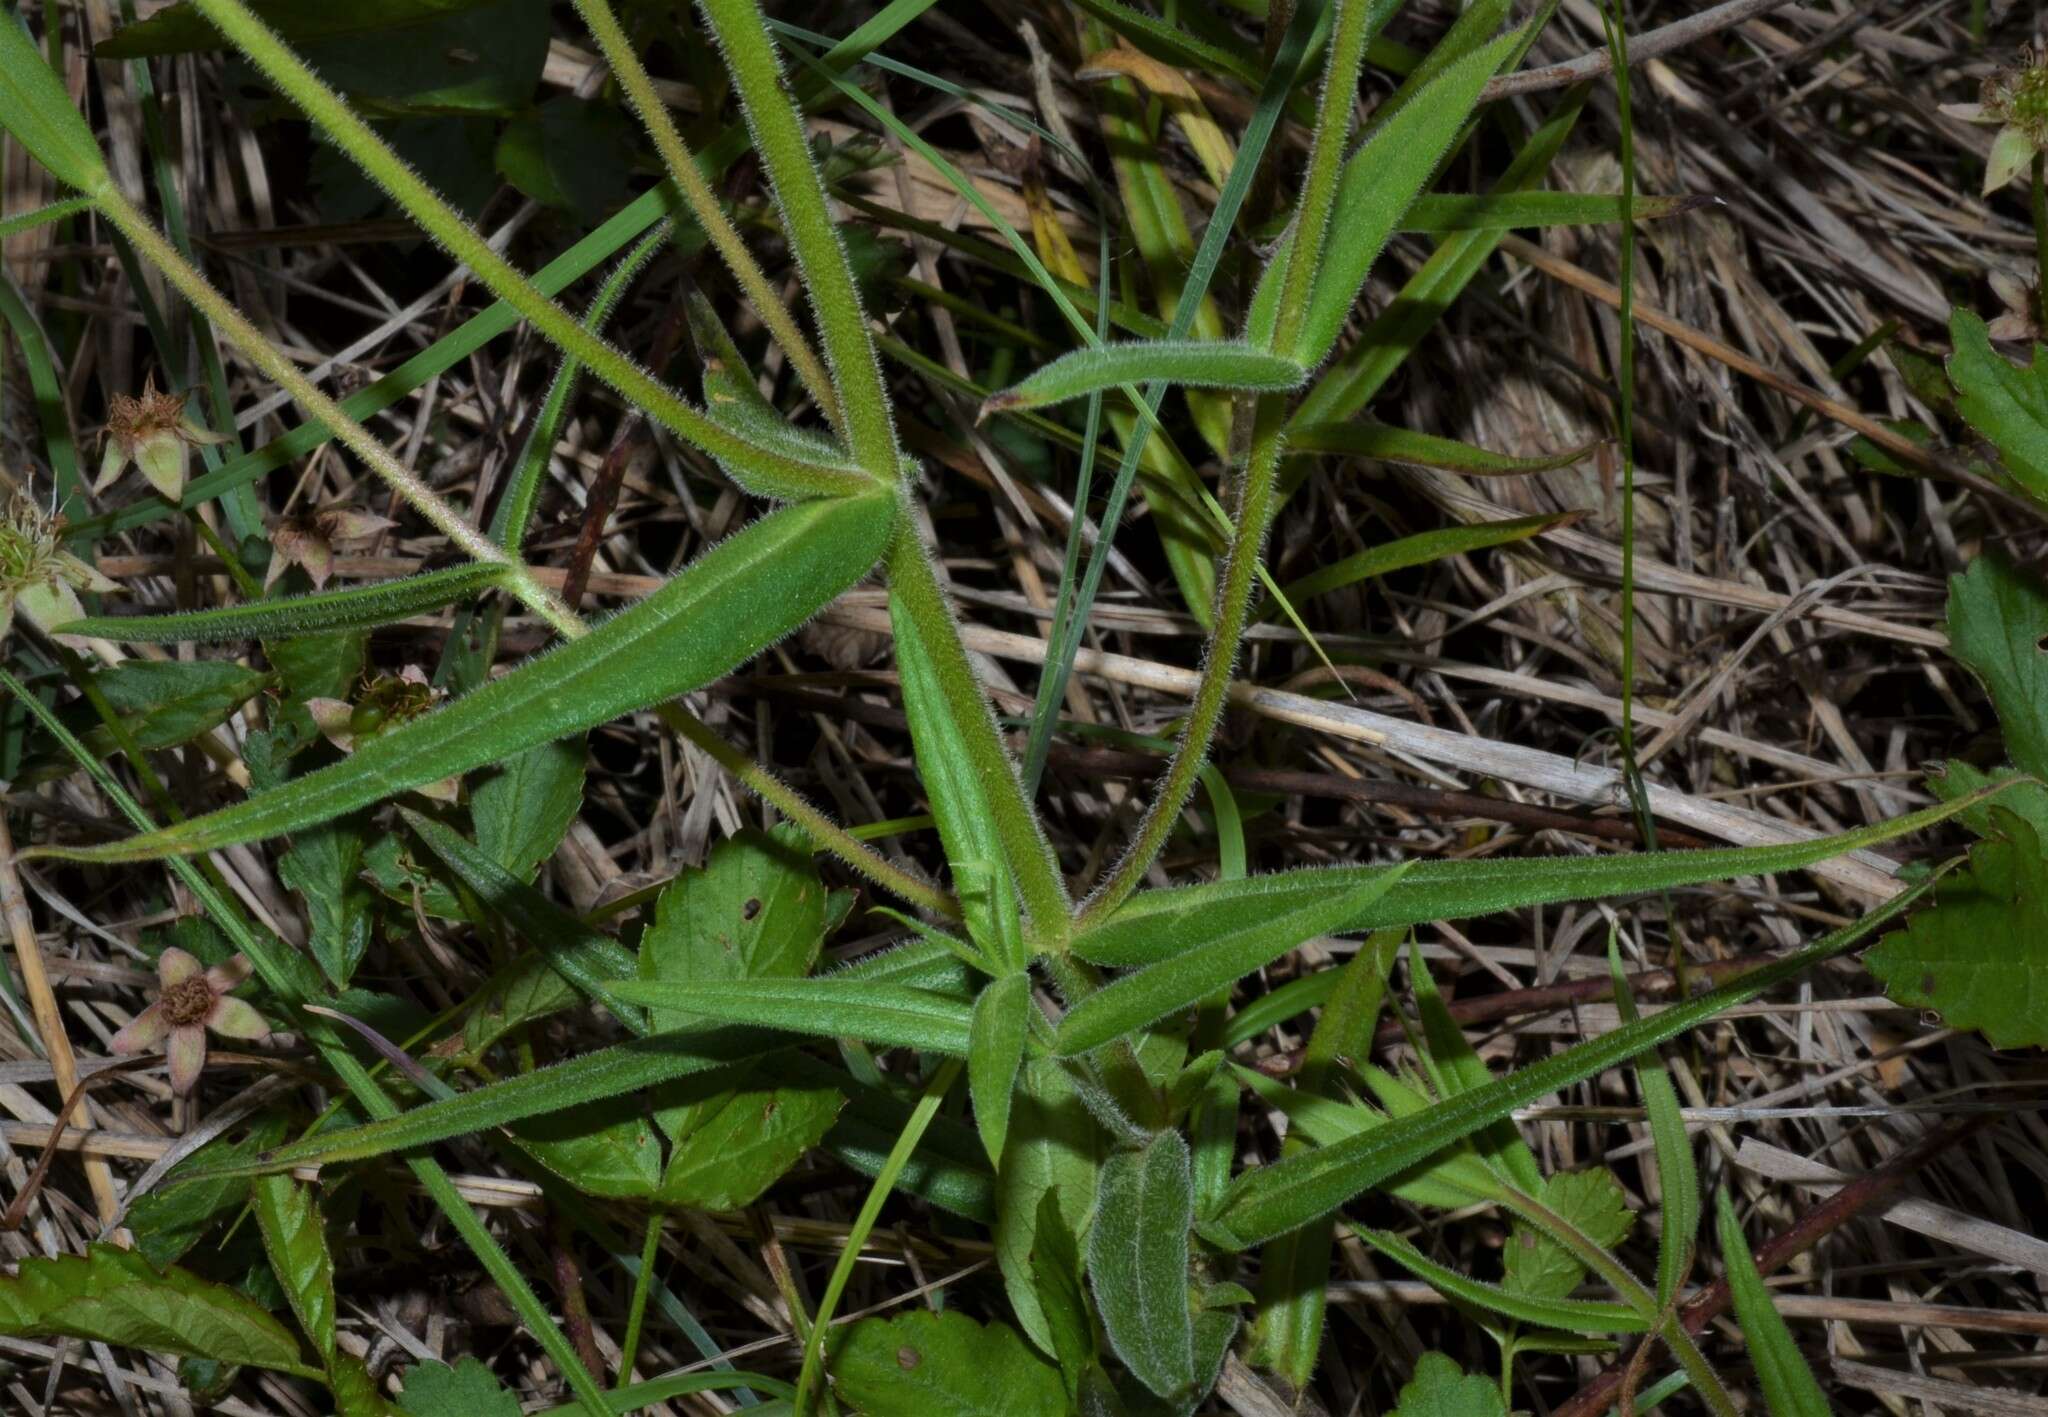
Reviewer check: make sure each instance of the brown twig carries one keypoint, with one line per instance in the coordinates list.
(1647, 45)
(49, 1021)
(1855, 1198)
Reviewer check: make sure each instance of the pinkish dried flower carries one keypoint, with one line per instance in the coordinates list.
(190, 1000)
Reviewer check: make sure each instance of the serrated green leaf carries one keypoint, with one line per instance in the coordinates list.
(1273, 1199)
(522, 811)
(163, 703)
(1138, 1262)
(942, 1364)
(755, 910)
(1378, 184)
(465, 1390)
(750, 1139)
(995, 1051)
(351, 608)
(1788, 1384)
(611, 1150)
(1569, 1315)
(37, 113)
(1201, 364)
(1152, 925)
(112, 1295)
(734, 601)
(1998, 626)
(1977, 955)
(1224, 948)
(324, 866)
(1440, 1388)
(295, 1239)
(1054, 1149)
(1590, 1202)
(355, 1392)
(2005, 402)
(170, 1220)
(888, 1014)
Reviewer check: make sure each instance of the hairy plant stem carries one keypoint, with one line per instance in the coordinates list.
(826, 834)
(617, 48)
(1595, 1257)
(1036, 870)
(1231, 611)
(194, 286)
(785, 152)
(1349, 34)
(398, 181)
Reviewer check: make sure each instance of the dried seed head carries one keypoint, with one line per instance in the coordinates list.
(151, 431)
(36, 574)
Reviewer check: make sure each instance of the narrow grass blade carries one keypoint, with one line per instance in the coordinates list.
(1569, 1315)
(730, 604)
(1788, 1384)
(888, 1014)
(1678, 1177)
(1273, 1199)
(356, 608)
(1419, 550)
(1438, 213)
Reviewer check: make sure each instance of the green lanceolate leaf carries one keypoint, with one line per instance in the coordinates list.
(1365, 439)
(1202, 364)
(1138, 1262)
(1419, 550)
(1152, 925)
(111, 1295)
(295, 1239)
(1379, 182)
(1224, 949)
(1678, 1177)
(1440, 1388)
(888, 1014)
(1977, 956)
(1788, 1384)
(1056, 1270)
(37, 113)
(737, 599)
(995, 1051)
(2005, 402)
(944, 1364)
(1455, 1066)
(1568, 1315)
(356, 608)
(1051, 1157)
(1273, 1199)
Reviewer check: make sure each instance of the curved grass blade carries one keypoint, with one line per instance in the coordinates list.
(889, 1014)
(1145, 929)
(1204, 364)
(1788, 1384)
(47, 387)
(1188, 975)
(1402, 445)
(1570, 1315)
(1678, 1177)
(356, 608)
(734, 601)
(55, 211)
(1419, 550)
(1436, 212)
(1274, 1199)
